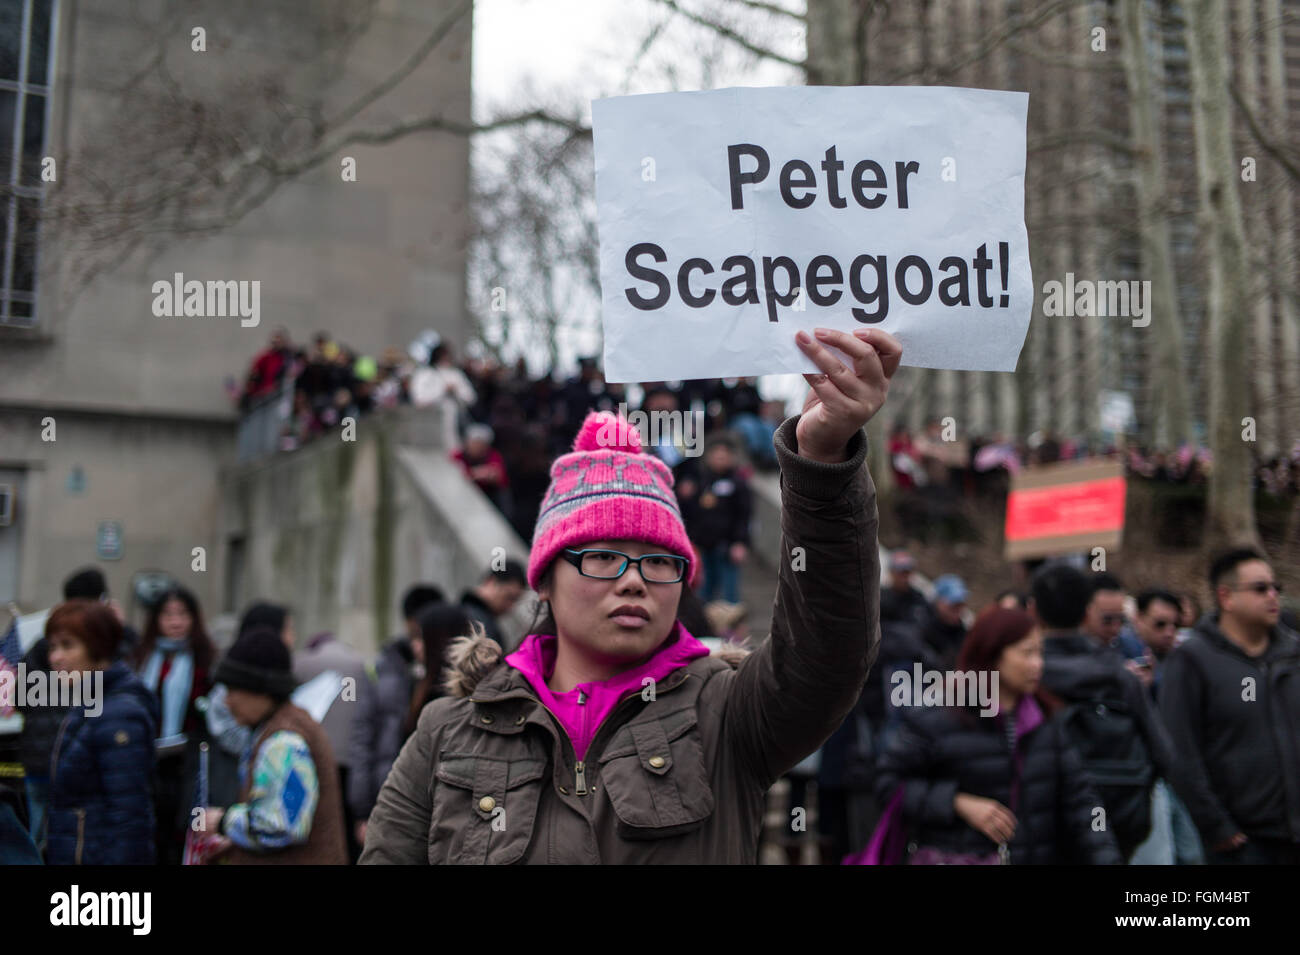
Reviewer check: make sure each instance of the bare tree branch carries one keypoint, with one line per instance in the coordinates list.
(1081, 137)
(770, 8)
(406, 69)
(1055, 58)
(732, 35)
(399, 130)
(1014, 27)
(1269, 145)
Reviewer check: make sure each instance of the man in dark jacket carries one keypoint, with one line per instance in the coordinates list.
(89, 584)
(382, 705)
(900, 602)
(1104, 618)
(1230, 696)
(1111, 714)
(945, 629)
(495, 596)
(716, 505)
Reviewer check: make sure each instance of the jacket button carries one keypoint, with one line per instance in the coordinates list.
(486, 719)
(657, 762)
(487, 803)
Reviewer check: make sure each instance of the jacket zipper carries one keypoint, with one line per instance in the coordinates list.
(579, 766)
(54, 772)
(58, 744)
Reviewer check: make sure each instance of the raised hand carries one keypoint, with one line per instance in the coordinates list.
(843, 398)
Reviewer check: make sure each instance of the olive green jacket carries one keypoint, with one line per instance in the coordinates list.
(489, 776)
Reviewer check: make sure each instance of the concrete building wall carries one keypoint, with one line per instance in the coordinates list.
(341, 529)
(139, 400)
(156, 478)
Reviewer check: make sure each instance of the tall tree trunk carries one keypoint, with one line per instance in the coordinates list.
(1231, 512)
(837, 42)
(1254, 203)
(1173, 423)
(837, 56)
(1283, 268)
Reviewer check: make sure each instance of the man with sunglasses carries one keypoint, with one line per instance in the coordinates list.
(1105, 617)
(1230, 697)
(1154, 633)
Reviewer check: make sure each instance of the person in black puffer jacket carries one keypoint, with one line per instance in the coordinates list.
(36, 742)
(101, 803)
(379, 728)
(971, 784)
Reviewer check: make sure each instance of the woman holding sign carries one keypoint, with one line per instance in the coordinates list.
(611, 735)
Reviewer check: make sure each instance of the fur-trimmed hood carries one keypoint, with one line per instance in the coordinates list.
(471, 658)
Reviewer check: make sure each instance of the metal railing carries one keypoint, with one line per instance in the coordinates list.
(262, 425)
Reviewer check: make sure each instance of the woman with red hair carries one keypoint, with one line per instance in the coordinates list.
(978, 789)
(101, 803)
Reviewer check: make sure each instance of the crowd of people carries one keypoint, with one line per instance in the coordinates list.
(1134, 728)
(503, 425)
(927, 460)
(285, 779)
(1107, 728)
(1177, 726)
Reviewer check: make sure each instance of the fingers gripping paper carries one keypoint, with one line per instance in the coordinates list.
(730, 219)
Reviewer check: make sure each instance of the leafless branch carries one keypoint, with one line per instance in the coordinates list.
(1013, 27)
(1081, 137)
(439, 33)
(727, 33)
(1055, 58)
(770, 8)
(1270, 146)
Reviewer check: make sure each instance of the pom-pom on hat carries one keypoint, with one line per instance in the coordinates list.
(608, 488)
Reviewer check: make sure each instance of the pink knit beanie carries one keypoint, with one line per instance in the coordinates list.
(608, 489)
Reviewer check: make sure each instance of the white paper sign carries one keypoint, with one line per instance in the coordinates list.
(730, 219)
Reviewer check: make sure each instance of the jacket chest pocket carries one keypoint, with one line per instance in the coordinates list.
(656, 779)
(484, 808)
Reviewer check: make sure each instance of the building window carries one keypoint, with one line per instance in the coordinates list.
(27, 29)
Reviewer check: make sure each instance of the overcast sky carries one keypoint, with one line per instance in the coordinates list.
(584, 48)
(560, 53)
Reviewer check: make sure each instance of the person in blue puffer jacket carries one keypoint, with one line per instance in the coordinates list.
(101, 802)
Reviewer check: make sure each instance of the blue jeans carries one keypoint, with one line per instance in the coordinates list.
(720, 574)
(38, 800)
(1187, 841)
(1173, 839)
(16, 847)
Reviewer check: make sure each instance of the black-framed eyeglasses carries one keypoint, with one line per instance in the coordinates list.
(1110, 619)
(612, 564)
(1261, 587)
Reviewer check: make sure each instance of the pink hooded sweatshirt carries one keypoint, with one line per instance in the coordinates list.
(582, 709)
